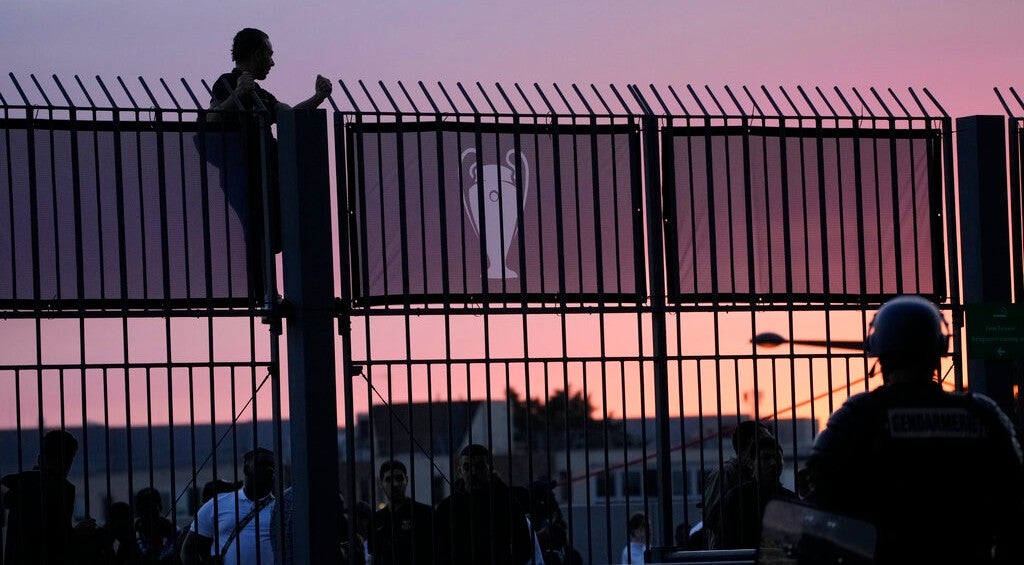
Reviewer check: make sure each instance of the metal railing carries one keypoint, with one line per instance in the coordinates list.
(613, 365)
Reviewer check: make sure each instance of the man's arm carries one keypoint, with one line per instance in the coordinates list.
(322, 89)
(245, 85)
(195, 549)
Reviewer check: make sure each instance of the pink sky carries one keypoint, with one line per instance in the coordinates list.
(959, 50)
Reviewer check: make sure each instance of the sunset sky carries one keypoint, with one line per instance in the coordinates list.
(959, 50)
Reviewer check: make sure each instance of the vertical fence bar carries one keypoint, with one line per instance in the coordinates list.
(652, 180)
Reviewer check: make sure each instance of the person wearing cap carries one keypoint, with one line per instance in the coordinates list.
(938, 474)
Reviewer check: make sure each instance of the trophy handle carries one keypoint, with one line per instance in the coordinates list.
(525, 169)
(472, 168)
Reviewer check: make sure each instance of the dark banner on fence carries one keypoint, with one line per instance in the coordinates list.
(481, 211)
(114, 214)
(768, 213)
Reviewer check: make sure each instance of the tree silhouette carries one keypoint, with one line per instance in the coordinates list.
(565, 419)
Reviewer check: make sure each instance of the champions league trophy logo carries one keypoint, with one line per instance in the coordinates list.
(500, 207)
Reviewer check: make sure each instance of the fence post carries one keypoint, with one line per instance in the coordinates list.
(655, 256)
(309, 290)
(984, 230)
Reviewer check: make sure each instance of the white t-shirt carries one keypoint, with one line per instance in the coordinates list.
(633, 553)
(243, 549)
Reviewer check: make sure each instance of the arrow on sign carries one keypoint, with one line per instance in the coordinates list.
(1001, 352)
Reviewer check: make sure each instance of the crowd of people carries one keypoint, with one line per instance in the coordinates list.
(482, 521)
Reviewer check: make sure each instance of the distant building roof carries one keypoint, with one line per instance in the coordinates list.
(433, 428)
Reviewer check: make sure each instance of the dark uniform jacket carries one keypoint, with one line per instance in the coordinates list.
(482, 526)
(938, 474)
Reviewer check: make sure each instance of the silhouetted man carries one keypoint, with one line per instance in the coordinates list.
(743, 505)
(40, 505)
(236, 90)
(481, 523)
(236, 526)
(938, 474)
(402, 530)
(734, 471)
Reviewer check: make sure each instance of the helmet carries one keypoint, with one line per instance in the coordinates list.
(907, 327)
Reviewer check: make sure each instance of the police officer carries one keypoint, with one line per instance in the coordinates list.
(938, 474)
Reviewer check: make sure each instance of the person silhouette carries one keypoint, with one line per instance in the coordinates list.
(938, 474)
(236, 95)
(481, 523)
(40, 505)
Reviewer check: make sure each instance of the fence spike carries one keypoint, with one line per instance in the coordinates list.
(583, 99)
(601, 98)
(853, 113)
(106, 92)
(789, 99)
(407, 97)
(17, 86)
(863, 102)
(149, 93)
(191, 94)
(544, 97)
(827, 103)
(170, 94)
(1002, 101)
(678, 100)
(63, 92)
(348, 94)
(881, 101)
(487, 98)
(917, 100)
(387, 94)
(657, 96)
(711, 93)
(369, 96)
(1013, 91)
(465, 95)
(936, 102)
(621, 100)
(807, 99)
(735, 102)
(430, 98)
(127, 92)
(700, 104)
(85, 91)
(39, 87)
(508, 101)
(572, 112)
(753, 101)
(899, 102)
(525, 99)
(448, 97)
(771, 100)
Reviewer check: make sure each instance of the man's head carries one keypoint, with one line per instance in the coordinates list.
(251, 51)
(58, 452)
(393, 480)
(746, 432)
(636, 528)
(908, 335)
(148, 502)
(763, 460)
(475, 466)
(258, 468)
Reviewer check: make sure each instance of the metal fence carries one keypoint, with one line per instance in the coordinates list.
(599, 336)
(570, 277)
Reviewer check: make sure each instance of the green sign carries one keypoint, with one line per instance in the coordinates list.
(995, 331)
